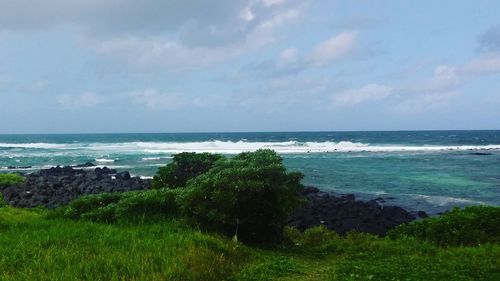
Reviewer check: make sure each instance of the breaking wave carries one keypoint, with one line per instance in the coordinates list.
(233, 147)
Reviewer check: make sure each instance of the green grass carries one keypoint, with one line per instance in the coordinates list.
(33, 247)
(38, 245)
(9, 179)
(470, 226)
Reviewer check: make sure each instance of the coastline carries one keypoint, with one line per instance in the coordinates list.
(57, 186)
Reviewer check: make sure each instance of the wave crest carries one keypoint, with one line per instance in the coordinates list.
(233, 147)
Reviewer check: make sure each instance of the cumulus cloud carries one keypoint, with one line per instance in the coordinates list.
(84, 100)
(448, 78)
(368, 93)
(170, 34)
(289, 62)
(335, 48)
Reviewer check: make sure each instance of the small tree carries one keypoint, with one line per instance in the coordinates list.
(250, 195)
(185, 166)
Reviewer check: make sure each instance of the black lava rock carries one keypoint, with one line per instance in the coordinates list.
(59, 185)
(343, 214)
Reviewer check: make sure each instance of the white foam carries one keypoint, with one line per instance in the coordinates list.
(233, 147)
(151, 158)
(444, 200)
(102, 160)
(34, 145)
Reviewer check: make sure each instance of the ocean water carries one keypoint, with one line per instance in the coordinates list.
(420, 170)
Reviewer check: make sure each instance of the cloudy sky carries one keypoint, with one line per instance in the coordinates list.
(248, 65)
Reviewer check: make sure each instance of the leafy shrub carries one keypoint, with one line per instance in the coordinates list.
(134, 205)
(10, 179)
(250, 195)
(89, 204)
(471, 226)
(184, 166)
(2, 202)
(312, 237)
(147, 204)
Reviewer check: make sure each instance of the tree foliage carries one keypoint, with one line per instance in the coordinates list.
(185, 166)
(251, 195)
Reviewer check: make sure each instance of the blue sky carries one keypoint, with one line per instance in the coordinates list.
(253, 65)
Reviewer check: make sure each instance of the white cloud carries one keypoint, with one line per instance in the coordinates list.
(335, 48)
(368, 93)
(154, 52)
(484, 64)
(289, 55)
(449, 78)
(273, 2)
(154, 33)
(84, 100)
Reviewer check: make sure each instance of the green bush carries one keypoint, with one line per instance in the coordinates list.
(311, 238)
(127, 206)
(10, 179)
(2, 202)
(250, 195)
(184, 166)
(147, 204)
(89, 204)
(471, 226)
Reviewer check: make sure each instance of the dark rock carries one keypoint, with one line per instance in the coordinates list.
(422, 214)
(85, 165)
(123, 176)
(480, 153)
(309, 190)
(344, 214)
(59, 185)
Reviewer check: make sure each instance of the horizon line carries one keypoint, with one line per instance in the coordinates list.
(242, 132)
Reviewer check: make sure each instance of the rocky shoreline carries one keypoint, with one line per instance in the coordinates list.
(343, 213)
(58, 186)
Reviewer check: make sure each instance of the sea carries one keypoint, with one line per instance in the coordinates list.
(432, 171)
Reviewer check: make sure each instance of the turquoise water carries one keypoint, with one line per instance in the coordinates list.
(422, 170)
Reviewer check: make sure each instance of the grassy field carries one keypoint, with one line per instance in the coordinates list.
(36, 246)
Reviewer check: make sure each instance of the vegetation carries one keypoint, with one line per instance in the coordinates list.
(36, 245)
(35, 248)
(150, 235)
(138, 206)
(10, 179)
(471, 226)
(2, 202)
(184, 166)
(6, 180)
(250, 195)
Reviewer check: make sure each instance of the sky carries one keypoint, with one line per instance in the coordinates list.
(99, 66)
